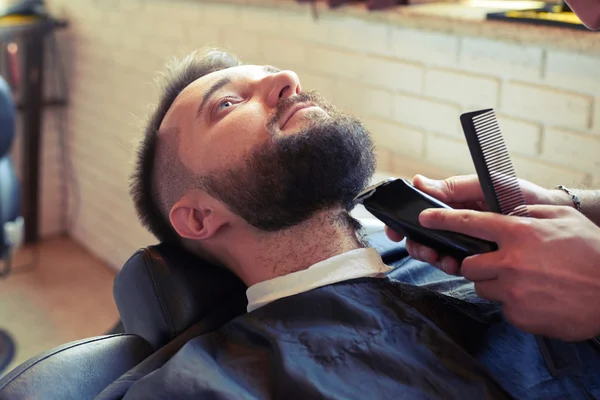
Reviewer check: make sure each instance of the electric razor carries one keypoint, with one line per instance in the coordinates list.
(397, 203)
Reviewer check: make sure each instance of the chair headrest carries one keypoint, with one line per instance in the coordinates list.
(162, 290)
(7, 118)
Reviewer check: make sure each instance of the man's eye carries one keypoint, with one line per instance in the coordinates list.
(224, 104)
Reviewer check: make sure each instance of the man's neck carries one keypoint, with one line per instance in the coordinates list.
(259, 256)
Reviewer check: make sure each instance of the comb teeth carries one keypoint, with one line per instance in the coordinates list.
(497, 161)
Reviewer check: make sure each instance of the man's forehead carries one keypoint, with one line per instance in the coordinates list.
(190, 97)
(199, 86)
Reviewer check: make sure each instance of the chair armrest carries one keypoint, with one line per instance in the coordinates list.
(77, 370)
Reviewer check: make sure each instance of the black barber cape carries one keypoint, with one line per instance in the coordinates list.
(369, 338)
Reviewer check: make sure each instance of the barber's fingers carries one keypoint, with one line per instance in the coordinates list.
(548, 211)
(482, 267)
(490, 290)
(393, 235)
(484, 225)
(421, 252)
(456, 189)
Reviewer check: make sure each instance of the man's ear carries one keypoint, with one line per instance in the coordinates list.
(196, 219)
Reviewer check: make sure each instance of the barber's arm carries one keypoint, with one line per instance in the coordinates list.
(546, 272)
(589, 202)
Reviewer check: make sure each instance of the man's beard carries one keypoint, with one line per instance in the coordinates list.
(291, 177)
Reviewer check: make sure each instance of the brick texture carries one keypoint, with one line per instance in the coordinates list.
(363, 101)
(500, 59)
(384, 159)
(337, 63)
(432, 115)
(596, 117)
(521, 137)
(409, 86)
(538, 103)
(547, 174)
(572, 150)
(572, 71)
(430, 48)
(466, 89)
(401, 140)
(452, 155)
(393, 75)
(303, 26)
(361, 36)
(283, 52)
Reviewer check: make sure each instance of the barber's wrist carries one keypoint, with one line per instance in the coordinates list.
(562, 198)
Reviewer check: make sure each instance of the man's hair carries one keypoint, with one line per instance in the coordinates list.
(159, 176)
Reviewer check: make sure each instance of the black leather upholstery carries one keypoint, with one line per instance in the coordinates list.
(162, 290)
(78, 370)
(165, 296)
(7, 118)
(10, 191)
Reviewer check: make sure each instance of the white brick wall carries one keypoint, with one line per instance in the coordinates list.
(408, 86)
(573, 72)
(404, 141)
(538, 103)
(466, 89)
(500, 59)
(549, 174)
(429, 114)
(596, 116)
(429, 48)
(450, 154)
(521, 137)
(363, 101)
(393, 75)
(563, 147)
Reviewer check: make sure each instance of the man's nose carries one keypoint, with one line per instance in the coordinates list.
(282, 84)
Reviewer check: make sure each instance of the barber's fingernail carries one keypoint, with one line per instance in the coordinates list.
(428, 255)
(426, 217)
(430, 182)
(426, 181)
(446, 265)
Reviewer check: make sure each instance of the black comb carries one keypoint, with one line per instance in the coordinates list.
(492, 162)
(503, 195)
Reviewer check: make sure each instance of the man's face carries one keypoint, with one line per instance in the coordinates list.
(273, 154)
(588, 12)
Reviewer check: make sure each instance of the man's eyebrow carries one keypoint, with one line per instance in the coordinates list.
(210, 92)
(221, 83)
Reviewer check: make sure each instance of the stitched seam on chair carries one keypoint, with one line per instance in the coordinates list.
(62, 350)
(161, 301)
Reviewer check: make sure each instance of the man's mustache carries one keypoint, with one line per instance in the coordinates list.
(284, 105)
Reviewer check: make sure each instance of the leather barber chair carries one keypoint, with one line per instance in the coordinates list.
(165, 297)
(11, 222)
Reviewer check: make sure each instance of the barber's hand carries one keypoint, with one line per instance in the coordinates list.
(463, 192)
(546, 272)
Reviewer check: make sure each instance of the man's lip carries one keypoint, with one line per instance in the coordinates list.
(293, 110)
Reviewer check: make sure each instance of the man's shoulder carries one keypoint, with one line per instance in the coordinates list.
(335, 334)
(390, 302)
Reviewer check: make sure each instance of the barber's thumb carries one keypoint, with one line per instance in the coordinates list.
(426, 184)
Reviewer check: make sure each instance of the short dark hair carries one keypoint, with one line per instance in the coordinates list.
(145, 182)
